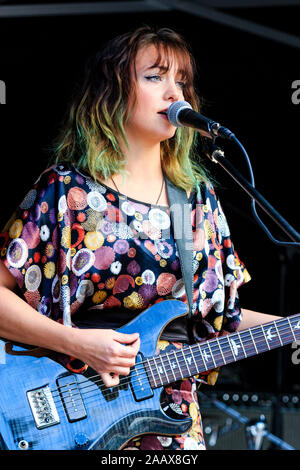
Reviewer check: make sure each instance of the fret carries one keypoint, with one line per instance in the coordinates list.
(259, 339)
(224, 361)
(179, 368)
(187, 366)
(227, 353)
(297, 326)
(159, 369)
(238, 334)
(291, 329)
(211, 354)
(150, 368)
(248, 343)
(269, 334)
(228, 340)
(206, 355)
(274, 323)
(163, 367)
(162, 357)
(253, 341)
(192, 354)
(233, 339)
(265, 337)
(204, 363)
(171, 367)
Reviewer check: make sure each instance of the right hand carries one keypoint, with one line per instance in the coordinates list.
(108, 352)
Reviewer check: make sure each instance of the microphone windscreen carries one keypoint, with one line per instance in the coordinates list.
(174, 110)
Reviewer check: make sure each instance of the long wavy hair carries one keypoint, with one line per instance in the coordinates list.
(91, 133)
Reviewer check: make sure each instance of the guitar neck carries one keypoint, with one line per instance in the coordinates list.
(192, 360)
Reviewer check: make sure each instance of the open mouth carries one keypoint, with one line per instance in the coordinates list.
(164, 114)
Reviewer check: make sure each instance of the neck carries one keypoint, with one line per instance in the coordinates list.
(209, 355)
(143, 159)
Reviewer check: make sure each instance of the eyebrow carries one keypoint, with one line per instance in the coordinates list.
(164, 68)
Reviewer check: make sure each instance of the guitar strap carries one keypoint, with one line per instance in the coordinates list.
(180, 208)
(180, 212)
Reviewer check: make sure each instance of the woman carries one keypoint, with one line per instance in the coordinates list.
(91, 245)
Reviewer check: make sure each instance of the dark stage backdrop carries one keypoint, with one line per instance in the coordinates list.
(246, 84)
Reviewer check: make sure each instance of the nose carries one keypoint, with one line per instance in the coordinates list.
(172, 91)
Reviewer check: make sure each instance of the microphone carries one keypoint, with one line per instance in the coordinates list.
(181, 114)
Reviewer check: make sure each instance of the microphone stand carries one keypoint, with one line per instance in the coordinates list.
(216, 154)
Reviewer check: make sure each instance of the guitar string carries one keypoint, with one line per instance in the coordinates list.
(128, 379)
(196, 350)
(95, 395)
(108, 395)
(212, 342)
(215, 341)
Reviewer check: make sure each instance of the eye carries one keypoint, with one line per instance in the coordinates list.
(181, 85)
(153, 78)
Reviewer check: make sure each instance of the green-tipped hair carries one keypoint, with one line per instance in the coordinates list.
(94, 130)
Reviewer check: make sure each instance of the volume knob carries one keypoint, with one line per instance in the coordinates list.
(81, 439)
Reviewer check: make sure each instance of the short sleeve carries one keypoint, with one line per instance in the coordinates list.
(219, 271)
(234, 272)
(35, 246)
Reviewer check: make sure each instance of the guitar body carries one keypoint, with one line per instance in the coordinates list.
(45, 407)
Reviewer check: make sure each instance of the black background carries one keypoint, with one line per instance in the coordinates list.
(246, 84)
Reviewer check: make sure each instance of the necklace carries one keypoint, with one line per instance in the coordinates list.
(163, 183)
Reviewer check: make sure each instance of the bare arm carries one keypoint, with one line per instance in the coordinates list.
(251, 318)
(103, 350)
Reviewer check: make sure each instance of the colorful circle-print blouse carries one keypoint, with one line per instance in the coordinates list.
(80, 251)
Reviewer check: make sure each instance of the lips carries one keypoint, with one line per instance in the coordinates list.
(164, 114)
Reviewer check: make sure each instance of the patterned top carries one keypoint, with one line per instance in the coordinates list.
(79, 249)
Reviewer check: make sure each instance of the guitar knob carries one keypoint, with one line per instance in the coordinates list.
(81, 439)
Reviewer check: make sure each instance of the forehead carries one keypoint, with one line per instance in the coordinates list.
(152, 56)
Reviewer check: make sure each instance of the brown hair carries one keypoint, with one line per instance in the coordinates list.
(95, 122)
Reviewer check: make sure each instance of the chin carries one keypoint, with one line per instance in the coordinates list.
(168, 134)
(171, 134)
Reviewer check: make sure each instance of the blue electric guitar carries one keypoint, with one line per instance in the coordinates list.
(45, 407)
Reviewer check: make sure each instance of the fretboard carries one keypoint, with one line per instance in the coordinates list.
(192, 360)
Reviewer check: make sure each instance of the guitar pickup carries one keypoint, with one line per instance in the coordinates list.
(43, 407)
(71, 397)
(139, 382)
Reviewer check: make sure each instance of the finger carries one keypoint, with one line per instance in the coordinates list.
(110, 380)
(120, 370)
(126, 338)
(130, 350)
(117, 368)
(122, 362)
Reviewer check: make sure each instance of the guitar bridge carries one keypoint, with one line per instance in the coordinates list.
(43, 407)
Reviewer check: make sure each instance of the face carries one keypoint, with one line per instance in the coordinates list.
(156, 89)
